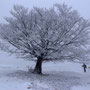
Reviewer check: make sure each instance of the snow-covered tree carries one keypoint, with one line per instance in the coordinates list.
(57, 33)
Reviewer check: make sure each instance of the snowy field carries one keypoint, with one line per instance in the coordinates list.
(14, 75)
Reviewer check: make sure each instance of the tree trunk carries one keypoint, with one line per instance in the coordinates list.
(38, 67)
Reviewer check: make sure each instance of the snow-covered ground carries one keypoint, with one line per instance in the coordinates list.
(14, 75)
(86, 87)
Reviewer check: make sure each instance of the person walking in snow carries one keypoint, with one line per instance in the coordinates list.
(84, 67)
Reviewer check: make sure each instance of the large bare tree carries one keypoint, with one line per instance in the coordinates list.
(57, 33)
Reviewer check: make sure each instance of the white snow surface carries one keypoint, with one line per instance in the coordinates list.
(14, 75)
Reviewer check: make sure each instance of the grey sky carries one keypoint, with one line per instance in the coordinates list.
(83, 6)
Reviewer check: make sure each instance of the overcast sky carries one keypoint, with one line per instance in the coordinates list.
(83, 6)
